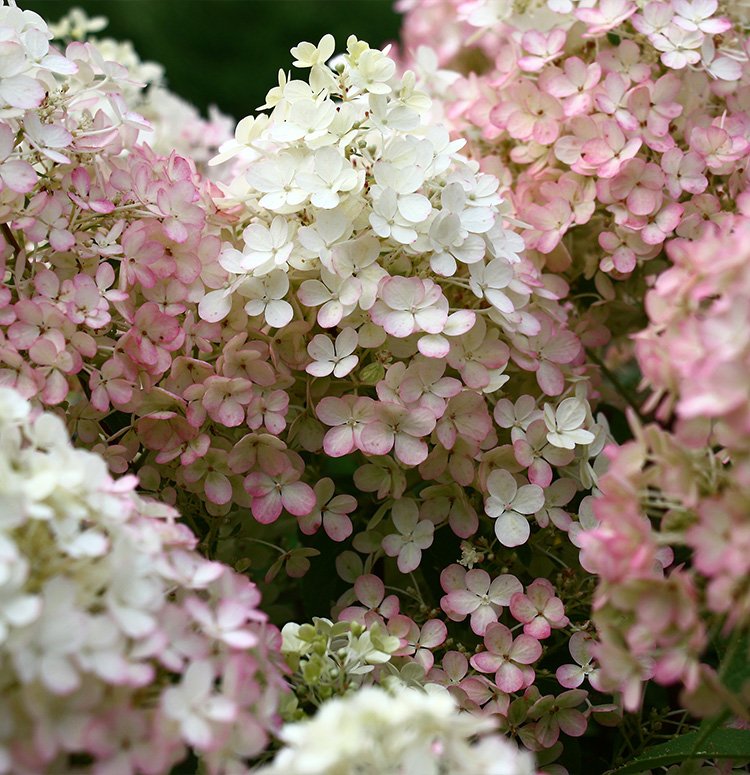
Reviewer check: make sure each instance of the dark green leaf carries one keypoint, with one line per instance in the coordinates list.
(721, 744)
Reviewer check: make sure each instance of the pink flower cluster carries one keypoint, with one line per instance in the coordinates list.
(352, 288)
(118, 641)
(608, 146)
(686, 486)
(620, 132)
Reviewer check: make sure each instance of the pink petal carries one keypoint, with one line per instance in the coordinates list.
(409, 558)
(338, 527)
(461, 602)
(569, 676)
(298, 498)
(434, 633)
(267, 508)
(572, 722)
(19, 176)
(486, 662)
(509, 678)
(410, 451)
(498, 639)
(399, 324)
(482, 618)
(377, 439)
(369, 590)
(218, 488)
(477, 581)
(339, 441)
(526, 650)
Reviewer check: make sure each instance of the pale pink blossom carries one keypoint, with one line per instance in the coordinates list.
(509, 659)
(414, 535)
(482, 598)
(398, 428)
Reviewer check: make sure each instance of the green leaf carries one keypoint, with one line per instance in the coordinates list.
(735, 665)
(721, 744)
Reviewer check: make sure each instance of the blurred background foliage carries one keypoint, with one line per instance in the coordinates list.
(228, 52)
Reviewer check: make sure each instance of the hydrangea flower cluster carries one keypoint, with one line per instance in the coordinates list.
(333, 658)
(683, 486)
(351, 285)
(118, 641)
(405, 730)
(381, 325)
(620, 133)
(614, 125)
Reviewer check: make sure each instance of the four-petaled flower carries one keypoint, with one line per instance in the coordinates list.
(509, 659)
(413, 535)
(507, 504)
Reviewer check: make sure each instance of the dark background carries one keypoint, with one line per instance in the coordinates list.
(228, 52)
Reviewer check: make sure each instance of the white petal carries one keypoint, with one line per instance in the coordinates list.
(529, 498)
(346, 342)
(512, 529)
(321, 348)
(279, 313)
(345, 365)
(502, 485)
(571, 414)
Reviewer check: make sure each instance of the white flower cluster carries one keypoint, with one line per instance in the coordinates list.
(173, 123)
(402, 732)
(350, 198)
(104, 605)
(27, 63)
(328, 659)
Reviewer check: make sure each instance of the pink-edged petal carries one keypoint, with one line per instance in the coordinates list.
(333, 411)
(409, 558)
(522, 608)
(452, 578)
(267, 508)
(482, 618)
(461, 602)
(18, 176)
(392, 544)
(464, 521)
(572, 722)
(410, 451)
(538, 628)
(399, 324)
(370, 590)
(298, 498)
(486, 662)
(338, 527)
(509, 678)
(526, 650)
(503, 588)
(434, 633)
(218, 488)
(432, 319)
(550, 378)
(434, 346)
(477, 581)
(339, 441)
(377, 439)
(309, 524)
(498, 639)
(569, 676)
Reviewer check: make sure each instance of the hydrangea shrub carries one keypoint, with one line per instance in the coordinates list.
(377, 351)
